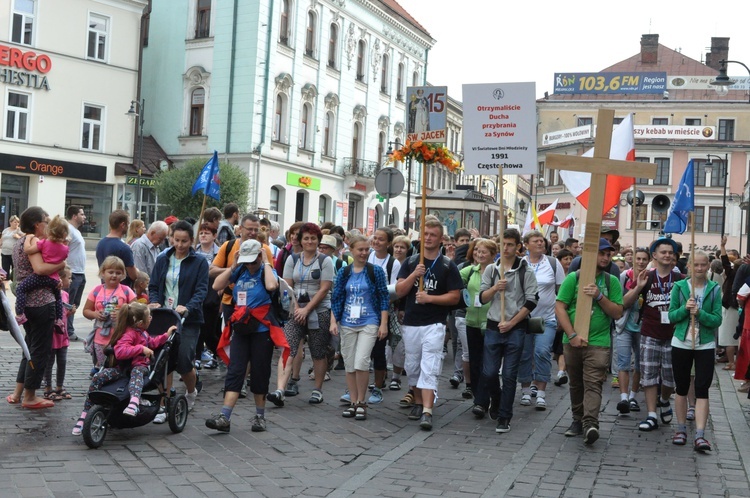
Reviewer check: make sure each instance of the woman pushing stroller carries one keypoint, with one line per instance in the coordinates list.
(130, 341)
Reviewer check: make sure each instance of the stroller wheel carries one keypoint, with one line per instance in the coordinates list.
(95, 427)
(177, 413)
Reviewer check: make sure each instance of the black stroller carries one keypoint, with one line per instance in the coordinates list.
(113, 398)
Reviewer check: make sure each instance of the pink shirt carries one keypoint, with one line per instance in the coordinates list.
(53, 253)
(111, 299)
(60, 341)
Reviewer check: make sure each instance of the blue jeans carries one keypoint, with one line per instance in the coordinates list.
(505, 349)
(537, 352)
(75, 293)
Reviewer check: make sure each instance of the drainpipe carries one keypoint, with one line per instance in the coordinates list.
(227, 146)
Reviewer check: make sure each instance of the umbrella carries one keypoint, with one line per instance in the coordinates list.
(15, 330)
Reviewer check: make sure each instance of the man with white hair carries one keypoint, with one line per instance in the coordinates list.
(146, 248)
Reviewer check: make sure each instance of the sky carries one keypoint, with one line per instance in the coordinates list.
(499, 41)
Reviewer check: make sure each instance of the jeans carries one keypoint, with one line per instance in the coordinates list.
(505, 349)
(75, 293)
(537, 355)
(587, 370)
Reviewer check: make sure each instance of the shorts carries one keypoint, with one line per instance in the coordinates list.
(627, 346)
(356, 346)
(656, 362)
(424, 354)
(730, 318)
(188, 341)
(318, 340)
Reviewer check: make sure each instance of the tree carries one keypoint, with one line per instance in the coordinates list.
(174, 188)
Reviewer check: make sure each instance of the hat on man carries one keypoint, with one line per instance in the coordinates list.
(664, 240)
(612, 231)
(328, 240)
(249, 251)
(604, 245)
(171, 219)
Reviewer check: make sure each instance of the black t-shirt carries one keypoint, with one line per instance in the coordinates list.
(439, 279)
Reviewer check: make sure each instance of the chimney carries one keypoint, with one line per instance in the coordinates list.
(649, 49)
(719, 51)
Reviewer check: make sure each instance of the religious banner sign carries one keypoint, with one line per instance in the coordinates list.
(426, 111)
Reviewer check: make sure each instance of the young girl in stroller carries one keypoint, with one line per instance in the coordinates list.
(130, 341)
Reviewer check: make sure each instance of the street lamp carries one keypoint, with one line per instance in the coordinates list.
(137, 111)
(722, 81)
(709, 164)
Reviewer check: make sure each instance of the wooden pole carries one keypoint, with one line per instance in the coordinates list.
(421, 223)
(636, 209)
(692, 273)
(502, 229)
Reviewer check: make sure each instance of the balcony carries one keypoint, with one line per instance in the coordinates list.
(358, 167)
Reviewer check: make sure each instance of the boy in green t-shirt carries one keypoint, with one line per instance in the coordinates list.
(589, 360)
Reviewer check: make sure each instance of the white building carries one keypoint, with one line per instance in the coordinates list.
(68, 71)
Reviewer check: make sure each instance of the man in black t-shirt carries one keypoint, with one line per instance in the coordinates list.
(424, 318)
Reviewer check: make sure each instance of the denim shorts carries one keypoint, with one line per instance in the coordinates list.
(627, 346)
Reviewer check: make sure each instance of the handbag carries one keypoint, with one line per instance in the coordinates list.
(535, 325)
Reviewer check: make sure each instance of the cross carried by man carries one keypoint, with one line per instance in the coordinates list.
(600, 165)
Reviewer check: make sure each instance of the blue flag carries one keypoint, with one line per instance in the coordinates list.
(684, 202)
(208, 180)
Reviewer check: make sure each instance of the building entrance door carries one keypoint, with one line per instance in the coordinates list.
(14, 197)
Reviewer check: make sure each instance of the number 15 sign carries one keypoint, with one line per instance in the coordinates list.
(426, 109)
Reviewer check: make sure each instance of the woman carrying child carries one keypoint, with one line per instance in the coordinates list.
(130, 341)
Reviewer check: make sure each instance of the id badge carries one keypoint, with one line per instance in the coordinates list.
(477, 302)
(242, 298)
(356, 311)
(665, 317)
(170, 303)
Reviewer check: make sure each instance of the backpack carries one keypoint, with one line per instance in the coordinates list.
(227, 251)
(369, 268)
(321, 258)
(277, 310)
(339, 264)
(226, 227)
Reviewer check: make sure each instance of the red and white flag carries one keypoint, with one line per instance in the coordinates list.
(622, 149)
(566, 223)
(547, 216)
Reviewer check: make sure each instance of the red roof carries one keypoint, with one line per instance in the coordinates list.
(395, 8)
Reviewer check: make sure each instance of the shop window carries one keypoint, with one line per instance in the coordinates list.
(17, 116)
(203, 19)
(96, 200)
(197, 102)
(92, 128)
(22, 31)
(98, 34)
(333, 41)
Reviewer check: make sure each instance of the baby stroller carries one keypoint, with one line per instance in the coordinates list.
(113, 398)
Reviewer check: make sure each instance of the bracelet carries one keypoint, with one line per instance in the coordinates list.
(571, 336)
(599, 297)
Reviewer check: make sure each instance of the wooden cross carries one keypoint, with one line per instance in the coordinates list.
(599, 166)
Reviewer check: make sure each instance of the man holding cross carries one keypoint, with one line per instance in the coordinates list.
(587, 362)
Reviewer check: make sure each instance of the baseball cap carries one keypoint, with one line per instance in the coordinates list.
(249, 251)
(171, 219)
(328, 240)
(604, 245)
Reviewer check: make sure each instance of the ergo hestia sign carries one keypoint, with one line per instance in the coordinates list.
(24, 68)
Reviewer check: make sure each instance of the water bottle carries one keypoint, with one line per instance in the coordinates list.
(285, 301)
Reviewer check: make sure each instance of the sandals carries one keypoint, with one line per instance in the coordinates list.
(701, 445)
(648, 425)
(350, 411)
(131, 410)
(361, 412)
(690, 414)
(665, 412)
(728, 366)
(11, 400)
(78, 428)
(407, 401)
(316, 397)
(680, 439)
(63, 394)
(52, 396)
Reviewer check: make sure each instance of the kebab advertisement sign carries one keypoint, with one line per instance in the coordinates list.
(500, 128)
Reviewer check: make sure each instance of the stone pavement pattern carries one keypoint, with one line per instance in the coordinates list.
(311, 450)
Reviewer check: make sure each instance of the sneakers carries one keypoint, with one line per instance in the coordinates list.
(478, 411)
(503, 425)
(340, 364)
(191, 399)
(455, 381)
(219, 423)
(575, 429)
(425, 422)
(665, 411)
(292, 389)
(634, 406)
(161, 417)
(623, 407)
(276, 397)
(541, 404)
(259, 424)
(494, 409)
(562, 379)
(526, 400)
(72, 337)
(376, 397)
(206, 356)
(197, 364)
(591, 435)
(243, 390)
(468, 393)
(416, 412)
(395, 385)
(346, 397)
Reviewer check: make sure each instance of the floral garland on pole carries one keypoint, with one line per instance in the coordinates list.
(427, 153)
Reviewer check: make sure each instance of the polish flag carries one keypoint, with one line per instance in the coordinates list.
(566, 223)
(623, 149)
(546, 217)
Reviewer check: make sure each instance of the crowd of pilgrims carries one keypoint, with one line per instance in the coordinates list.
(384, 309)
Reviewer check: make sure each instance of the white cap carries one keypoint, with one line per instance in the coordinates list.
(249, 251)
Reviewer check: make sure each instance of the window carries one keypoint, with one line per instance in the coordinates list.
(400, 82)
(415, 79)
(274, 203)
(698, 217)
(203, 19)
(17, 116)
(304, 129)
(642, 181)
(726, 130)
(585, 121)
(197, 102)
(660, 121)
(715, 219)
(617, 121)
(384, 71)
(328, 134)
(98, 30)
(381, 148)
(285, 22)
(356, 138)
(333, 41)
(361, 60)
(662, 171)
(692, 121)
(92, 127)
(279, 119)
(641, 219)
(322, 209)
(310, 34)
(23, 22)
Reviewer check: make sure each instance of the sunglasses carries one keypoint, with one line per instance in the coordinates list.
(618, 258)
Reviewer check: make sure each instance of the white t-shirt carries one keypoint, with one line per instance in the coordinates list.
(383, 263)
(547, 279)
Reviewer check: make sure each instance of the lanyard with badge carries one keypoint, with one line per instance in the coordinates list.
(664, 314)
(355, 308)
